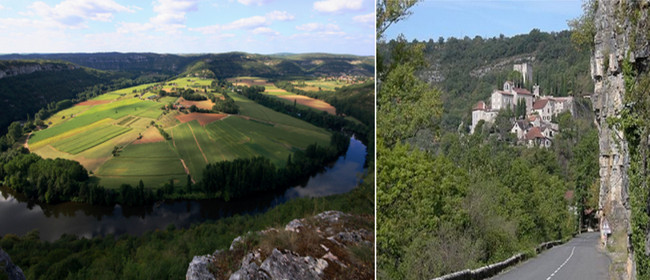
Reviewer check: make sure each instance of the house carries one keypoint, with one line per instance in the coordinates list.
(544, 109)
(534, 137)
(482, 112)
(520, 128)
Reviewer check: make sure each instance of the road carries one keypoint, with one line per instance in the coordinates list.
(577, 259)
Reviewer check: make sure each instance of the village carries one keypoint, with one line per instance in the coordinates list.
(536, 128)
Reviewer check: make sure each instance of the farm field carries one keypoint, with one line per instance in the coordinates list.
(271, 89)
(119, 121)
(310, 102)
(313, 85)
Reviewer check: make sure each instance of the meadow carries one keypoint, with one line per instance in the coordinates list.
(105, 134)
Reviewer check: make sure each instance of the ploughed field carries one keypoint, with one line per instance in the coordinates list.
(113, 137)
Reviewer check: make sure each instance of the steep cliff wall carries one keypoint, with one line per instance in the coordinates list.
(11, 68)
(621, 37)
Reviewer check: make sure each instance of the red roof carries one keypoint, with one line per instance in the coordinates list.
(522, 91)
(540, 104)
(504, 92)
(479, 106)
(532, 118)
(534, 133)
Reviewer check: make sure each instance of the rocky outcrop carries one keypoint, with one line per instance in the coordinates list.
(616, 39)
(15, 69)
(13, 272)
(312, 248)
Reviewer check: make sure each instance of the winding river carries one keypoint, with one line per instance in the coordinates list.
(18, 216)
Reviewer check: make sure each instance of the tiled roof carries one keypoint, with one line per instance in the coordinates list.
(479, 106)
(534, 133)
(539, 104)
(522, 91)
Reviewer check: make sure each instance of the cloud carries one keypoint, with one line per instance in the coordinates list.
(333, 6)
(279, 16)
(75, 13)
(255, 2)
(249, 23)
(319, 29)
(265, 30)
(367, 18)
(170, 14)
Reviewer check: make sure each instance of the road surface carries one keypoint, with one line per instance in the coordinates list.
(577, 259)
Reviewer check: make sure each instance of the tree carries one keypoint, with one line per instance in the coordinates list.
(583, 28)
(15, 131)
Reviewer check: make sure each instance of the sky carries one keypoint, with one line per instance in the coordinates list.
(432, 19)
(188, 26)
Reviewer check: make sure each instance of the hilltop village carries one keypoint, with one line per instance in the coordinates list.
(536, 128)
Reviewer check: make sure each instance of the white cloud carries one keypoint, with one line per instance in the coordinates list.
(279, 16)
(265, 30)
(255, 2)
(323, 29)
(249, 23)
(246, 23)
(75, 13)
(171, 13)
(332, 6)
(367, 18)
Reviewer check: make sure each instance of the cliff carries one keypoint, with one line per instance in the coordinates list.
(330, 245)
(15, 68)
(620, 35)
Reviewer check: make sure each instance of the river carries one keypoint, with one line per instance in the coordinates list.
(18, 216)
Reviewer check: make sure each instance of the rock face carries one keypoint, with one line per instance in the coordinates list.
(614, 32)
(313, 248)
(199, 268)
(28, 68)
(13, 272)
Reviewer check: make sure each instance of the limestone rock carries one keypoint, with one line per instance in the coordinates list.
(199, 268)
(13, 271)
(289, 265)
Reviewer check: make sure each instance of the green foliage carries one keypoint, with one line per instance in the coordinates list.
(493, 201)
(634, 121)
(163, 254)
(583, 28)
(405, 103)
(468, 69)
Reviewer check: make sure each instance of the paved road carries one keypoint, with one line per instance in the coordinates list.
(576, 259)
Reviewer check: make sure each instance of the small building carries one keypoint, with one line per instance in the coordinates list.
(535, 138)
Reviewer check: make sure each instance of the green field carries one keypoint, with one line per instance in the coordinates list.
(254, 110)
(88, 139)
(89, 134)
(153, 163)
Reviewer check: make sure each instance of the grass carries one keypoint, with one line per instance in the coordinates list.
(187, 148)
(257, 111)
(154, 163)
(88, 139)
(313, 85)
(114, 110)
(91, 134)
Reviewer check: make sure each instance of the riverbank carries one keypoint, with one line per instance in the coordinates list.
(164, 254)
